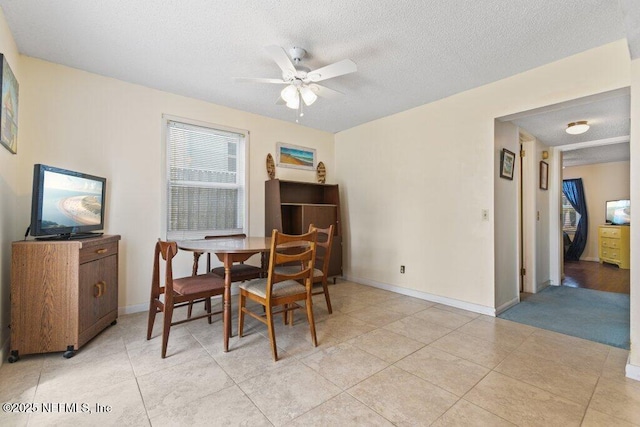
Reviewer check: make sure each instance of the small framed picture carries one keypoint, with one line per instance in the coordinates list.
(294, 156)
(8, 107)
(544, 175)
(507, 162)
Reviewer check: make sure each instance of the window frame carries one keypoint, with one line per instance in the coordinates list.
(242, 157)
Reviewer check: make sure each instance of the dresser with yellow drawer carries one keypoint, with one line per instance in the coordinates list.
(613, 244)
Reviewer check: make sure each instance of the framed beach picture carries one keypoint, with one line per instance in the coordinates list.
(507, 162)
(544, 175)
(294, 156)
(8, 107)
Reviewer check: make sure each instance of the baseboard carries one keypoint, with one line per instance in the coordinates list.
(543, 286)
(632, 371)
(507, 305)
(131, 309)
(476, 308)
(592, 259)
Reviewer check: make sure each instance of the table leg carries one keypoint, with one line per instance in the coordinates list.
(228, 262)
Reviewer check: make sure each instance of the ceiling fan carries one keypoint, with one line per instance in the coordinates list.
(301, 82)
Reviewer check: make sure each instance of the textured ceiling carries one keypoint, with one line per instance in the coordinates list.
(599, 154)
(408, 53)
(607, 140)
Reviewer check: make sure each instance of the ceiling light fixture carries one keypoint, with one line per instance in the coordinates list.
(576, 128)
(292, 94)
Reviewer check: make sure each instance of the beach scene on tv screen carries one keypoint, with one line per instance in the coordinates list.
(70, 201)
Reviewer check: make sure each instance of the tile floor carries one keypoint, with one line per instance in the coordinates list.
(382, 359)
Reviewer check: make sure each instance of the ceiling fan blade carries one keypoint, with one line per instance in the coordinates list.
(345, 66)
(282, 59)
(258, 80)
(325, 92)
(280, 101)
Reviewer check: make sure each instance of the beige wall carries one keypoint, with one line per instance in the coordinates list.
(10, 225)
(601, 182)
(416, 182)
(506, 213)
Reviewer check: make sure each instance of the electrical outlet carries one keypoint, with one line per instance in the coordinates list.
(485, 214)
(402, 269)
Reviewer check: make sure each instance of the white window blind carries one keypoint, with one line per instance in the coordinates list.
(206, 181)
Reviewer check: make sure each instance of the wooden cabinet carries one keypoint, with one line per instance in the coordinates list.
(290, 206)
(613, 245)
(63, 293)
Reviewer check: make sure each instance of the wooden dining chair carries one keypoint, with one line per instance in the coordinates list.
(239, 272)
(282, 290)
(323, 258)
(178, 292)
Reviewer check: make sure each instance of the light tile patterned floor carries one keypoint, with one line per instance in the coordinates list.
(382, 359)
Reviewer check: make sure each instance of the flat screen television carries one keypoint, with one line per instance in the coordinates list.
(66, 204)
(618, 212)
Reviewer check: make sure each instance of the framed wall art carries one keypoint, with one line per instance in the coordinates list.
(544, 175)
(294, 156)
(507, 163)
(8, 107)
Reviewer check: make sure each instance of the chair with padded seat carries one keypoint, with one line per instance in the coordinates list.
(239, 272)
(178, 292)
(282, 290)
(323, 257)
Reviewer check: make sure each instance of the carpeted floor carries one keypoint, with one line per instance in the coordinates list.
(594, 315)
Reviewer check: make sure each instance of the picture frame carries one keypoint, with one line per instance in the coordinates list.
(8, 107)
(507, 164)
(544, 175)
(295, 156)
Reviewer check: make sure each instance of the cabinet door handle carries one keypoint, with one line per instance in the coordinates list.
(98, 289)
(101, 251)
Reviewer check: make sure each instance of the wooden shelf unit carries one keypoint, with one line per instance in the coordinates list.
(63, 293)
(290, 206)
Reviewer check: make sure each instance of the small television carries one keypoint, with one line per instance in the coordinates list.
(66, 204)
(618, 212)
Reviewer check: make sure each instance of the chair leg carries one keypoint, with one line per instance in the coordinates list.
(152, 318)
(326, 296)
(312, 324)
(291, 313)
(285, 314)
(207, 306)
(272, 335)
(241, 314)
(166, 327)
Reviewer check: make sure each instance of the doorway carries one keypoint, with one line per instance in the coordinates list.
(540, 239)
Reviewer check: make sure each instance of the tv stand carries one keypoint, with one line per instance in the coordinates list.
(63, 293)
(69, 236)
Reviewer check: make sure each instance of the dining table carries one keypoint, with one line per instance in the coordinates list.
(229, 251)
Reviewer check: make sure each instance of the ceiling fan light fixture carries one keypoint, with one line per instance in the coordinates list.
(576, 128)
(294, 103)
(308, 96)
(289, 93)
